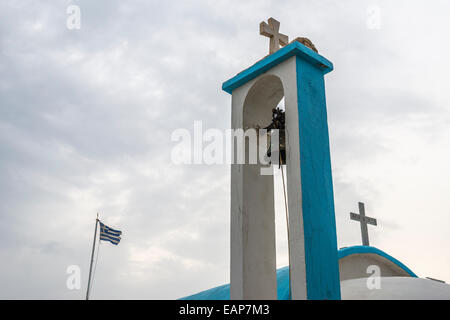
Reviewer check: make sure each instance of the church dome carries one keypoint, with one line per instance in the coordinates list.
(397, 281)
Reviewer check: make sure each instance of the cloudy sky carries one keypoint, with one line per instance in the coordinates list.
(86, 117)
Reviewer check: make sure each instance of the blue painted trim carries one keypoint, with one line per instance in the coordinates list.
(319, 223)
(293, 49)
(366, 249)
(216, 293)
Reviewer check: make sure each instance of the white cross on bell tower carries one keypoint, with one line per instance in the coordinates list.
(271, 30)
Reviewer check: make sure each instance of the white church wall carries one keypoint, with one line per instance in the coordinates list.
(395, 288)
(356, 266)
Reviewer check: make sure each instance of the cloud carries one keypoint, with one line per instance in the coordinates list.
(86, 118)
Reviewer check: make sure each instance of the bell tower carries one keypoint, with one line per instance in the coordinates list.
(295, 72)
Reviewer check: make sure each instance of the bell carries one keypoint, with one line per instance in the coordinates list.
(278, 122)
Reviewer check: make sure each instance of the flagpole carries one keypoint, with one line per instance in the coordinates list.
(92, 259)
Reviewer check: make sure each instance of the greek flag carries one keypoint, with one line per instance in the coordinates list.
(109, 234)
